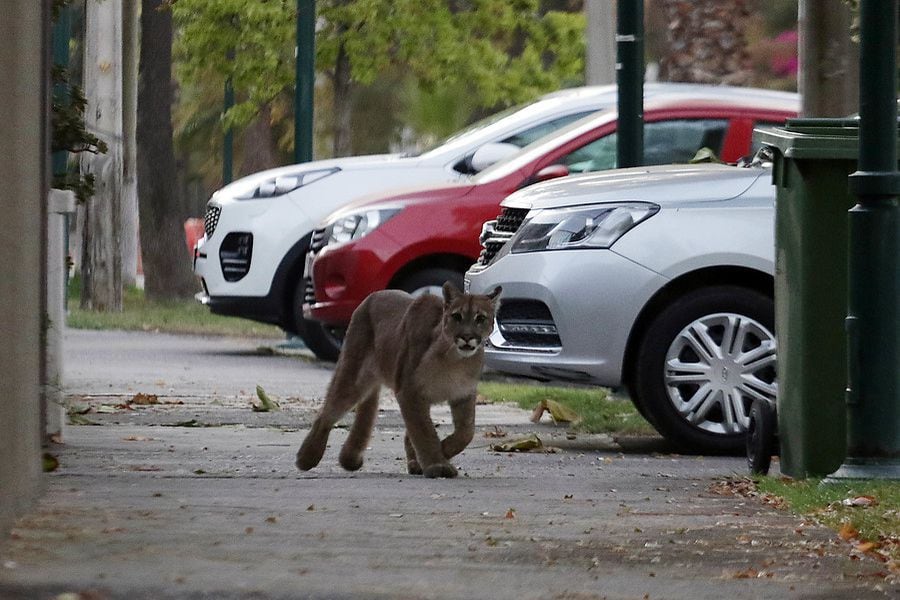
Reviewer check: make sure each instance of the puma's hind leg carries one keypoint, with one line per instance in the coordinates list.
(351, 457)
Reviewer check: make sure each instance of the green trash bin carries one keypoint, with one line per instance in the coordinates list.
(812, 160)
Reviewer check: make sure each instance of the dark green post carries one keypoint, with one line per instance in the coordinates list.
(62, 34)
(873, 322)
(630, 79)
(305, 80)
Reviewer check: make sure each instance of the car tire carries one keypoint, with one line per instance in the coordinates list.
(324, 341)
(430, 281)
(702, 362)
(762, 437)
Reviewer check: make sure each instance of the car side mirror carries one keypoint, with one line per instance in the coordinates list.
(550, 172)
(491, 153)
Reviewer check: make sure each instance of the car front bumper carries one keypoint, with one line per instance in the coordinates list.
(589, 299)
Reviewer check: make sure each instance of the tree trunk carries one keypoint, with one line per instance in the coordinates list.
(101, 264)
(828, 78)
(707, 41)
(258, 151)
(343, 141)
(166, 260)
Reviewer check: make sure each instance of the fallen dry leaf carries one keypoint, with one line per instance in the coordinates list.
(559, 413)
(144, 399)
(522, 444)
(496, 433)
(860, 501)
(867, 546)
(266, 404)
(50, 462)
(848, 532)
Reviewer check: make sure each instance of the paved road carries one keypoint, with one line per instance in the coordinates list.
(141, 508)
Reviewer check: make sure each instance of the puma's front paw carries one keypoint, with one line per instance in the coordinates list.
(440, 470)
(413, 467)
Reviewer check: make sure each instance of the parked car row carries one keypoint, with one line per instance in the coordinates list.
(657, 279)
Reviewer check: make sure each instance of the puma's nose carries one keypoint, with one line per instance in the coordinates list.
(472, 341)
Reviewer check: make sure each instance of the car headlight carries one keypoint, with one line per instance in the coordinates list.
(352, 226)
(283, 184)
(597, 226)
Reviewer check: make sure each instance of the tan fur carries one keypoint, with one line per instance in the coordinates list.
(412, 345)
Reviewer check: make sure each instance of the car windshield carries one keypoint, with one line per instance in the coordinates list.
(544, 145)
(473, 128)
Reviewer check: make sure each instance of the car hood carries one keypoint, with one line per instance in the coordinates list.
(347, 163)
(407, 197)
(663, 185)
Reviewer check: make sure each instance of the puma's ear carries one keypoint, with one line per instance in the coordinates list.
(450, 292)
(495, 297)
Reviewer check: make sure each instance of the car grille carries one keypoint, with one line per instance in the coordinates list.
(511, 219)
(318, 240)
(211, 219)
(235, 254)
(527, 323)
(309, 292)
(500, 231)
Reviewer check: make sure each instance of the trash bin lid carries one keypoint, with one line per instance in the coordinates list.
(813, 138)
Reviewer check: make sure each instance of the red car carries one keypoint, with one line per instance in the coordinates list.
(417, 240)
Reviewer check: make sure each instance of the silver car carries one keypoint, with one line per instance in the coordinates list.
(658, 279)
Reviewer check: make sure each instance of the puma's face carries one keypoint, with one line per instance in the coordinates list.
(468, 318)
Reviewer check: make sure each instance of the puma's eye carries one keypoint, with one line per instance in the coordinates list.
(480, 319)
(456, 317)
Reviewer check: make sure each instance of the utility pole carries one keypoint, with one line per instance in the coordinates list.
(630, 77)
(873, 322)
(24, 184)
(305, 81)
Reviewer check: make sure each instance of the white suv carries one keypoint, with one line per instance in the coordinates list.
(257, 229)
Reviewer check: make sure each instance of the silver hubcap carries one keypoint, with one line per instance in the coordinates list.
(716, 367)
(434, 290)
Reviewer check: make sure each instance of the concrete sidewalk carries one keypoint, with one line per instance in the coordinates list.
(141, 508)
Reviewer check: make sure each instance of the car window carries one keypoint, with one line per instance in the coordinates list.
(665, 142)
(523, 138)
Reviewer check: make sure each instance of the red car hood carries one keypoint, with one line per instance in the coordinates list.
(408, 197)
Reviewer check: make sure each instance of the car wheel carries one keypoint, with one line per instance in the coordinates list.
(430, 281)
(324, 341)
(702, 362)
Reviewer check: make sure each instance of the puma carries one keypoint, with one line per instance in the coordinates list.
(427, 351)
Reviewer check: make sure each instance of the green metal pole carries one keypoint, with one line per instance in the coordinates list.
(62, 34)
(305, 80)
(630, 79)
(873, 321)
